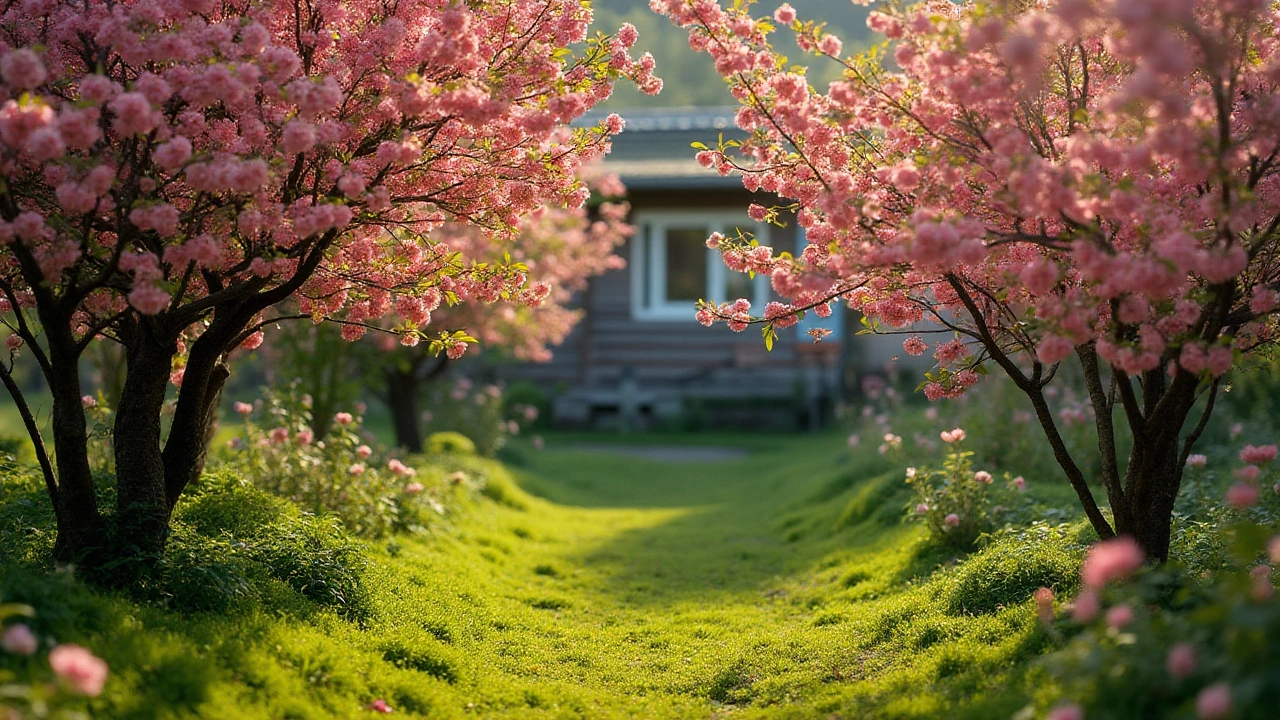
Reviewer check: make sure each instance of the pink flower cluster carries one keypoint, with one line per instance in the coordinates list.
(1081, 226)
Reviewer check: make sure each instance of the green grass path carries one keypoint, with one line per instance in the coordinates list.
(594, 585)
(773, 585)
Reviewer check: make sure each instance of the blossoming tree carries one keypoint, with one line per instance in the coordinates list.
(174, 170)
(561, 248)
(1087, 178)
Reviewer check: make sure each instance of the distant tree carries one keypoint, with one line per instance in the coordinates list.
(1087, 178)
(175, 171)
(561, 248)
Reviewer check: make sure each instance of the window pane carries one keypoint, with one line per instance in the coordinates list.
(686, 264)
(737, 285)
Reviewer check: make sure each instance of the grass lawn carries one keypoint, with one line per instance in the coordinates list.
(590, 584)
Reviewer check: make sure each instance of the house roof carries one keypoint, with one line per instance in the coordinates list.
(653, 151)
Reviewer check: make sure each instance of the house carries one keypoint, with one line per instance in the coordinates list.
(639, 358)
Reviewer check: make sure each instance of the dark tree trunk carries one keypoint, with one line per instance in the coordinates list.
(1153, 479)
(402, 400)
(81, 528)
(405, 380)
(142, 505)
(195, 415)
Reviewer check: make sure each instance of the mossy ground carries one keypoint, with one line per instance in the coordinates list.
(583, 584)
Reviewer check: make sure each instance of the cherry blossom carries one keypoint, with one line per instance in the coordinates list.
(1040, 183)
(177, 174)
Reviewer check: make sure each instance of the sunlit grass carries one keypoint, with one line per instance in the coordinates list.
(595, 585)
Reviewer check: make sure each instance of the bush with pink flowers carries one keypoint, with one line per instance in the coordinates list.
(340, 473)
(36, 684)
(1144, 642)
(958, 503)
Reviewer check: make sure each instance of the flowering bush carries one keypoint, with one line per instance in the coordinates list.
(23, 693)
(956, 502)
(477, 411)
(1166, 643)
(338, 473)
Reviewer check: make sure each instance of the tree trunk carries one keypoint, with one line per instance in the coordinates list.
(1153, 479)
(142, 506)
(402, 400)
(81, 528)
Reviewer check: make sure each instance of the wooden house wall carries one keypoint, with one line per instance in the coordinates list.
(682, 355)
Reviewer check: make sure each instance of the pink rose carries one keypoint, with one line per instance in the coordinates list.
(19, 640)
(82, 669)
(1114, 559)
(1214, 702)
(1181, 661)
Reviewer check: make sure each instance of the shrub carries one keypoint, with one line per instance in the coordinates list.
(233, 546)
(1171, 644)
(483, 414)
(449, 442)
(341, 473)
(956, 502)
(39, 679)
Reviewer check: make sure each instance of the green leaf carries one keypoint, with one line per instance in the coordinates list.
(697, 145)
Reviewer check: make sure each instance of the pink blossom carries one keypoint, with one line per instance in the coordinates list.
(1020, 483)
(13, 342)
(1181, 661)
(243, 408)
(304, 437)
(279, 435)
(133, 114)
(88, 401)
(952, 520)
(1258, 455)
(79, 667)
(1248, 473)
(915, 346)
(1119, 616)
(413, 488)
(952, 436)
(380, 706)
(23, 70)
(364, 451)
(1114, 559)
(1086, 606)
(173, 154)
(356, 469)
(785, 14)
(1241, 495)
(149, 299)
(982, 477)
(1214, 702)
(922, 508)
(854, 440)
(1236, 430)
(1196, 460)
(1053, 349)
(343, 418)
(19, 640)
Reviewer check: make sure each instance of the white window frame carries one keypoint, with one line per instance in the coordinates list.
(649, 262)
